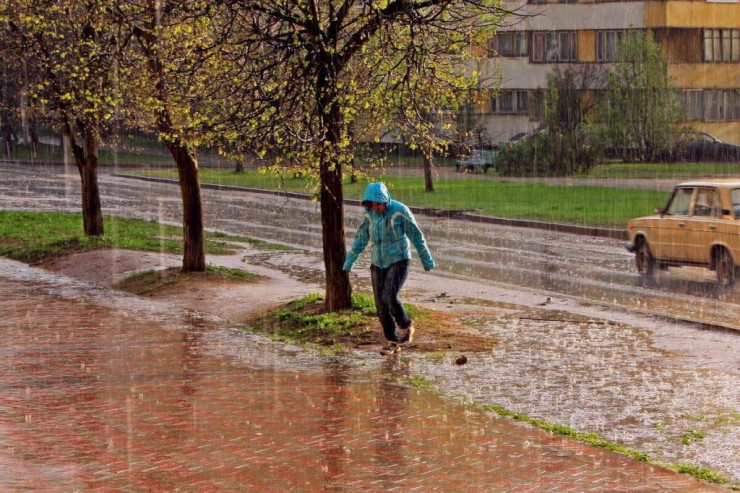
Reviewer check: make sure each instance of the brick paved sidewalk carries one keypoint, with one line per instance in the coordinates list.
(94, 398)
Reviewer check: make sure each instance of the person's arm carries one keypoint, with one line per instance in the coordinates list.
(417, 239)
(361, 239)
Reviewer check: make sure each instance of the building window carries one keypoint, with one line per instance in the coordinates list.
(538, 104)
(606, 45)
(509, 44)
(722, 45)
(511, 102)
(692, 102)
(557, 46)
(504, 103)
(711, 105)
(522, 102)
(722, 105)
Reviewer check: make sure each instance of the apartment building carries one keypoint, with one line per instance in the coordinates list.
(700, 39)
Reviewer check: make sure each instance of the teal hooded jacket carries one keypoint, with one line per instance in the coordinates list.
(388, 233)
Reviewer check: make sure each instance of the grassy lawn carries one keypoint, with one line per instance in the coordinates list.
(582, 205)
(34, 236)
(132, 151)
(677, 171)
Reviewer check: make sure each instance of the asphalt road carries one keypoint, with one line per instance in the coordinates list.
(553, 264)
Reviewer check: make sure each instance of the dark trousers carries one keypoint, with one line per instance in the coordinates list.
(386, 285)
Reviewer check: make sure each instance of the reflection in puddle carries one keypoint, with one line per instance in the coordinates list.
(95, 399)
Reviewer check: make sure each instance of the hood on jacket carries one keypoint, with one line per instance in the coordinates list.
(376, 192)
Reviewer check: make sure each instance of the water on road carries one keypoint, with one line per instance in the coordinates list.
(607, 355)
(101, 391)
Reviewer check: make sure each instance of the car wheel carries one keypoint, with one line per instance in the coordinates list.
(725, 268)
(644, 259)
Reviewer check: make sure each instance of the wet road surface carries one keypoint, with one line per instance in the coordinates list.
(595, 269)
(95, 394)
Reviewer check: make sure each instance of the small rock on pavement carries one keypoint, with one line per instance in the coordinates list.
(461, 360)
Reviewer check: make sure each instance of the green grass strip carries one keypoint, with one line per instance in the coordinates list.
(595, 440)
(670, 171)
(591, 438)
(701, 473)
(580, 205)
(31, 236)
(132, 151)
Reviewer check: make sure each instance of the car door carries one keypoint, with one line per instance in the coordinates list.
(702, 226)
(669, 240)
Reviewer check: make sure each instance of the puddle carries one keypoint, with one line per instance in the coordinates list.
(100, 390)
(604, 378)
(646, 382)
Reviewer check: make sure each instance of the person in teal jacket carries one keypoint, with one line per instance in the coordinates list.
(389, 225)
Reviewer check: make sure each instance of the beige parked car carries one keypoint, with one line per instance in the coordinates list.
(699, 226)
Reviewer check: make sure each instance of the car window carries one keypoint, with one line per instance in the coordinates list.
(680, 201)
(736, 202)
(706, 202)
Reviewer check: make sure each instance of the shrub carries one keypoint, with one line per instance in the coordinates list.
(548, 154)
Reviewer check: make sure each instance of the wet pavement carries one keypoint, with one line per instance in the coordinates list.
(100, 390)
(596, 269)
(607, 355)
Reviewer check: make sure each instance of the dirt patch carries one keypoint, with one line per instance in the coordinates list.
(307, 322)
(109, 266)
(172, 281)
(443, 331)
(11, 243)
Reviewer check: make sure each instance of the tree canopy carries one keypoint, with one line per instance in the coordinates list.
(72, 47)
(299, 81)
(316, 74)
(641, 110)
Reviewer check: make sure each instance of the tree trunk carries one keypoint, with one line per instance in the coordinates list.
(27, 112)
(194, 254)
(428, 169)
(338, 287)
(6, 133)
(86, 159)
(34, 132)
(5, 105)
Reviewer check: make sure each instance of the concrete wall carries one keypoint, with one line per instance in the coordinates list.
(705, 75)
(615, 15)
(682, 13)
